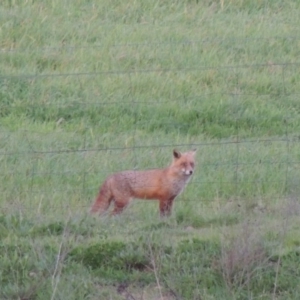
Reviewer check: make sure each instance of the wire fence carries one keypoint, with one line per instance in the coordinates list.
(248, 165)
(158, 70)
(240, 39)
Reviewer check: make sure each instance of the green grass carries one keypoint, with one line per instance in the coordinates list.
(89, 88)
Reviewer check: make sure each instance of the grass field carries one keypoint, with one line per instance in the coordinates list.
(91, 87)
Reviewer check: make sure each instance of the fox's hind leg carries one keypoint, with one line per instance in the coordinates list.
(103, 200)
(120, 204)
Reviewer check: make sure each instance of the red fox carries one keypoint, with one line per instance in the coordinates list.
(161, 184)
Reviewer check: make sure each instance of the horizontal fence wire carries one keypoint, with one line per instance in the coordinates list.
(151, 44)
(142, 102)
(156, 70)
(295, 139)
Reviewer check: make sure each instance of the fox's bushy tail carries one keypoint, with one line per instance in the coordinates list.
(103, 199)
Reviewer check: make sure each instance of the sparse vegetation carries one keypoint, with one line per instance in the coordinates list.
(89, 88)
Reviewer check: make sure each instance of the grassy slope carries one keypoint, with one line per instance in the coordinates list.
(130, 81)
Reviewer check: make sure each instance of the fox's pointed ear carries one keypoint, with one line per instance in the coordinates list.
(193, 152)
(176, 154)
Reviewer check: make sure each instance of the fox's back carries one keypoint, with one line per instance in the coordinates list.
(150, 184)
(139, 184)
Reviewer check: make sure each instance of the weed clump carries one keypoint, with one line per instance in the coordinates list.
(248, 268)
(100, 255)
(16, 225)
(25, 268)
(55, 228)
(111, 256)
(193, 268)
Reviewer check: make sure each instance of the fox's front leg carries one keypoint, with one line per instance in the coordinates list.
(165, 206)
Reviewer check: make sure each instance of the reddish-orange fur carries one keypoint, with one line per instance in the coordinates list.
(161, 184)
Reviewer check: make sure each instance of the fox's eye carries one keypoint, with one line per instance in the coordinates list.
(183, 165)
(192, 165)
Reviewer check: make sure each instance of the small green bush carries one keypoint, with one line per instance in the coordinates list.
(100, 255)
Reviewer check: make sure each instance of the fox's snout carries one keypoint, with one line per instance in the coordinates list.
(187, 172)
